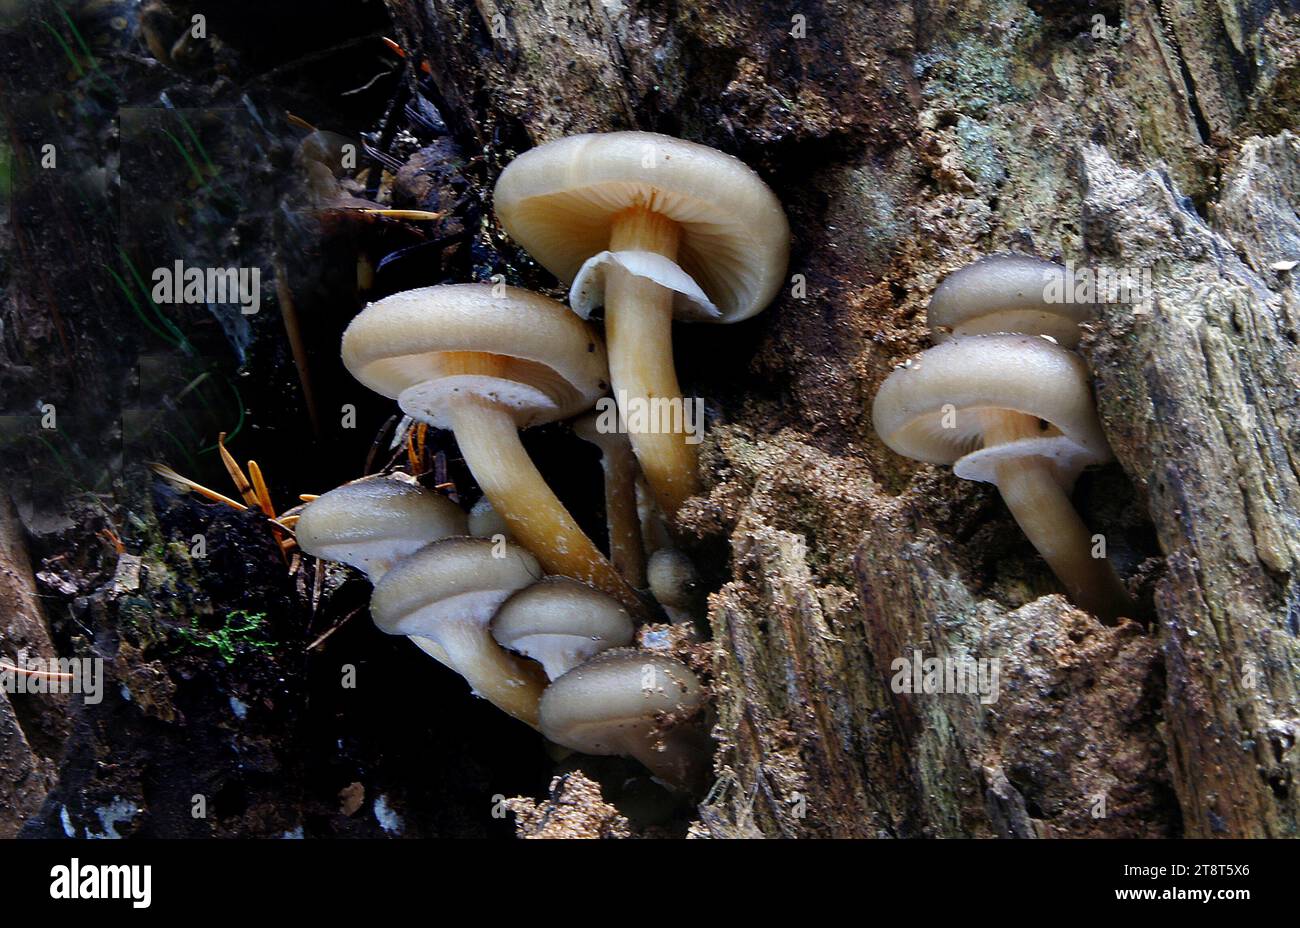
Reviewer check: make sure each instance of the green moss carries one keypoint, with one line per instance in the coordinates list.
(239, 632)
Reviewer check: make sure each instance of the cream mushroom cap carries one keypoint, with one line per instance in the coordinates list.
(444, 596)
(612, 705)
(559, 201)
(560, 623)
(452, 578)
(485, 522)
(374, 522)
(1007, 293)
(518, 349)
(960, 381)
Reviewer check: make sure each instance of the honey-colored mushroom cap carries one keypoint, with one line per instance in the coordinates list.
(1013, 294)
(936, 407)
(517, 349)
(560, 623)
(559, 201)
(372, 523)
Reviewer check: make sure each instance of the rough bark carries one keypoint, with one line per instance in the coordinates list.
(1202, 384)
(906, 140)
(23, 634)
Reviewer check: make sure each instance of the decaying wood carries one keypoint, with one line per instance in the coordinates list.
(23, 635)
(1201, 385)
(908, 139)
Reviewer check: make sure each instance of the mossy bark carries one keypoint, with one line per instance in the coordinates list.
(908, 139)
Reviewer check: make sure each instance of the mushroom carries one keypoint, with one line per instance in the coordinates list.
(444, 596)
(650, 227)
(374, 522)
(1008, 294)
(560, 623)
(654, 528)
(674, 583)
(617, 703)
(619, 465)
(486, 362)
(486, 522)
(1015, 411)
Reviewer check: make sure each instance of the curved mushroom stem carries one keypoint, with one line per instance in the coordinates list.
(1043, 511)
(489, 440)
(618, 465)
(625, 548)
(638, 335)
(509, 683)
(433, 649)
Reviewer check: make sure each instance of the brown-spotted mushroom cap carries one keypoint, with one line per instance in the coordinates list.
(484, 362)
(560, 623)
(372, 523)
(651, 227)
(1016, 411)
(447, 593)
(1014, 294)
(616, 702)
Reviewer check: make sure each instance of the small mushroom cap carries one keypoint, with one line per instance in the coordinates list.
(966, 382)
(527, 353)
(485, 521)
(614, 699)
(559, 201)
(673, 578)
(456, 580)
(560, 623)
(372, 523)
(1014, 294)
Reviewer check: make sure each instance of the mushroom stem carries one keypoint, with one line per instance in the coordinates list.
(1043, 510)
(509, 683)
(489, 441)
(618, 465)
(638, 333)
(620, 508)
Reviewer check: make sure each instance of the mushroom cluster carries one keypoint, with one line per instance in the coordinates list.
(515, 597)
(485, 362)
(1003, 400)
(528, 643)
